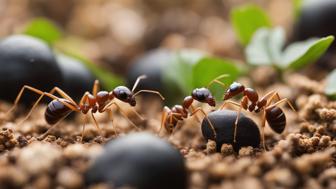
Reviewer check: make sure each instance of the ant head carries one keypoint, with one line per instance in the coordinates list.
(124, 94)
(234, 89)
(203, 95)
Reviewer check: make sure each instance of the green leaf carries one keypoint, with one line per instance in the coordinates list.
(178, 73)
(70, 47)
(297, 7)
(330, 88)
(267, 44)
(209, 68)
(265, 47)
(44, 29)
(246, 20)
(300, 54)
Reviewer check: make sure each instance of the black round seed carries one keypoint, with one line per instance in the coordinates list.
(26, 60)
(141, 161)
(151, 64)
(77, 79)
(156, 65)
(223, 121)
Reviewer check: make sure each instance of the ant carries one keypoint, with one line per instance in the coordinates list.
(271, 113)
(98, 101)
(170, 117)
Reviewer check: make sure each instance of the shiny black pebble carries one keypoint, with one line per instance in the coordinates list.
(77, 79)
(139, 160)
(223, 121)
(26, 60)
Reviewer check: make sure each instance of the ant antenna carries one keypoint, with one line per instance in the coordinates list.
(138, 80)
(149, 91)
(217, 80)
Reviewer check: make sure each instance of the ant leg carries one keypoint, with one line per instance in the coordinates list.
(83, 99)
(137, 114)
(83, 128)
(237, 118)
(96, 124)
(110, 117)
(284, 100)
(95, 88)
(133, 110)
(229, 102)
(122, 112)
(18, 97)
(207, 118)
(41, 137)
(263, 122)
(149, 91)
(137, 81)
(193, 109)
(270, 94)
(216, 80)
(83, 132)
(163, 118)
(62, 93)
(236, 125)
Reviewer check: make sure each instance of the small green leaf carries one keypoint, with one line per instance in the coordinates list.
(246, 20)
(44, 29)
(178, 73)
(265, 47)
(299, 54)
(330, 88)
(267, 44)
(209, 68)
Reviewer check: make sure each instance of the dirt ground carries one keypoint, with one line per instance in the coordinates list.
(303, 157)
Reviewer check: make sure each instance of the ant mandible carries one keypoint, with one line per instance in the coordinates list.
(170, 117)
(271, 113)
(98, 101)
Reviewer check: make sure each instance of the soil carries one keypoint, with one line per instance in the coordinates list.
(303, 157)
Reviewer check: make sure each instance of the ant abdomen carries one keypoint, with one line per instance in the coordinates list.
(55, 111)
(276, 119)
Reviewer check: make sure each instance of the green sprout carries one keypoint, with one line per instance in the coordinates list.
(266, 45)
(330, 87)
(267, 48)
(186, 73)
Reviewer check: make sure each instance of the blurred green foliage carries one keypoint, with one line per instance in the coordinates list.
(330, 88)
(190, 73)
(297, 7)
(44, 29)
(248, 19)
(267, 48)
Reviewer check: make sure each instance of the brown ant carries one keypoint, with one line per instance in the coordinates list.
(271, 113)
(170, 117)
(98, 101)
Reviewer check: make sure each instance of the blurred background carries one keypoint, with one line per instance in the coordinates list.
(113, 32)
